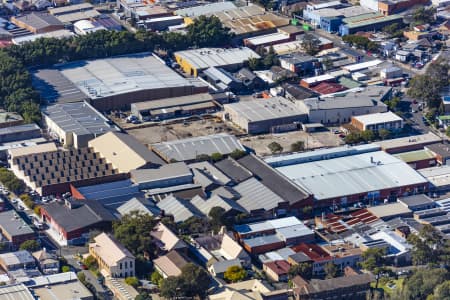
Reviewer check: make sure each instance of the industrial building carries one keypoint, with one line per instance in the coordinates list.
(115, 82)
(19, 133)
(408, 143)
(74, 13)
(189, 149)
(38, 22)
(207, 9)
(389, 7)
(368, 22)
(387, 120)
(351, 174)
(176, 107)
(194, 61)
(74, 124)
(340, 108)
(275, 114)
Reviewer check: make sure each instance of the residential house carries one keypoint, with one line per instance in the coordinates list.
(277, 270)
(166, 240)
(170, 264)
(48, 262)
(113, 258)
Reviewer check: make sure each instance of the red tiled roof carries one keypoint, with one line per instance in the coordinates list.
(313, 251)
(280, 267)
(325, 88)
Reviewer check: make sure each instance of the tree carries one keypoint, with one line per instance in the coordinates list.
(65, 269)
(331, 270)
(236, 154)
(133, 281)
(156, 278)
(215, 157)
(202, 157)
(90, 262)
(427, 245)
(30, 245)
(298, 146)
(37, 210)
(422, 283)
(208, 32)
(196, 280)
(172, 287)
(217, 216)
(270, 58)
(194, 224)
(81, 277)
(352, 138)
(255, 64)
(442, 291)
(367, 135)
(274, 147)
(303, 269)
(27, 200)
(424, 15)
(373, 259)
(307, 210)
(310, 44)
(133, 232)
(384, 133)
(235, 274)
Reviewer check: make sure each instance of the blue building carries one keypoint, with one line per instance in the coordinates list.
(367, 22)
(331, 24)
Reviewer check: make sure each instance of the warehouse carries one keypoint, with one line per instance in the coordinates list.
(371, 176)
(74, 13)
(340, 108)
(176, 107)
(38, 22)
(19, 133)
(275, 114)
(375, 122)
(74, 124)
(189, 149)
(114, 83)
(368, 22)
(194, 61)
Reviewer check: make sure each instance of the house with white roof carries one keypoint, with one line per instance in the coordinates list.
(113, 258)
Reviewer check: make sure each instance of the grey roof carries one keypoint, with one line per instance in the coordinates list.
(172, 102)
(286, 233)
(205, 58)
(416, 200)
(262, 240)
(84, 214)
(109, 190)
(19, 257)
(298, 92)
(167, 171)
(298, 58)
(15, 291)
(188, 149)
(210, 8)
(13, 224)
(134, 204)
(299, 257)
(79, 118)
(39, 20)
(116, 75)
(70, 8)
(219, 75)
(205, 205)
(274, 180)
(19, 129)
(440, 149)
(269, 109)
(180, 209)
(226, 192)
(221, 266)
(369, 97)
(54, 87)
(255, 196)
(320, 286)
(210, 171)
(233, 170)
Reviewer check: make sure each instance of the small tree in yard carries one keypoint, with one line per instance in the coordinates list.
(274, 147)
(202, 157)
(331, 270)
(384, 133)
(30, 245)
(298, 146)
(156, 278)
(235, 274)
(236, 154)
(65, 269)
(90, 262)
(133, 281)
(302, 269)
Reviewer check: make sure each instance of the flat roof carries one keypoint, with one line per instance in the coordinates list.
(416, 200)
(108, 77)
(390, 209)
(319, 78)
(377, 118)
(39, 20)
(78, 118)
(77, 16)
(267, 38)
(204, 58)
(362, 66)
(188, 149)
(172, 102)
(413, 156)
(57, 34)
(267, 109)
(19, 129)
(164, 172)
(40, 148)
(350, 175)
(427, 138)
(6, 116)
(206, 9)
(368, 19)
(70, 8)
(13, 224)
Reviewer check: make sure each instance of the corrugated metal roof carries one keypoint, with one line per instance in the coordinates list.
(255, 196)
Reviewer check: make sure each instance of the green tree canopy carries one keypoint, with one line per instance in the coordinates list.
(304, 270)
(235, 274)
(274, 147)
(331, 270)
(133, 231)
(30, 245)
(133, 281)
(298, 146)
(310, 44)
(208, 32)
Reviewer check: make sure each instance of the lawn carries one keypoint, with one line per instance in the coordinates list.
(389, 285)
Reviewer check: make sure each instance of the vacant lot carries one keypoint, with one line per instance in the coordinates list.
(170, 132)
(312, 141)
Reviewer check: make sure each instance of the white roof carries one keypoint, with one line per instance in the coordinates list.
(211, 8)
(325, 4)
(57, 34)
(362, 66)
(268, 38)
(377, 118)
(352, 175)
(394, 240)
(319, 78)
(204, 58)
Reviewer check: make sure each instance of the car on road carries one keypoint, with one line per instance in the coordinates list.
(14, 201)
